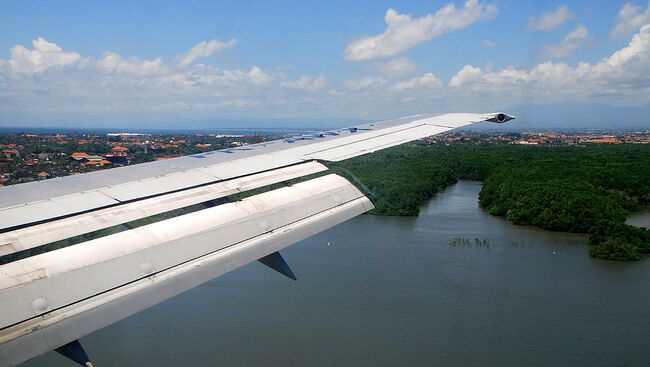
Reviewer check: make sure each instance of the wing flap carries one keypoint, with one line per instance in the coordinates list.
(41, 234)
(39, 335)
(158, 185)
(83, 293)
(48, 209)
(54, 207)
(74, 272)
(246, 166)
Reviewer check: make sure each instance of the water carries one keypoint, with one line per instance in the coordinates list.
(640, 219)
(392, 291)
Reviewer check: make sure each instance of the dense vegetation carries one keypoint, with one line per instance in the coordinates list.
(589, 189)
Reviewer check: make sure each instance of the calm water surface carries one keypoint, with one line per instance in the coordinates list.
(393, 292)
(641, 219)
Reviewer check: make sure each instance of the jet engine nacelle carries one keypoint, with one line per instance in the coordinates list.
(499, 117)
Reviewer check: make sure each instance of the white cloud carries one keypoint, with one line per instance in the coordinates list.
(621, 78)
(397, 67)
(307, 82)
(489, 44)
(204, 49)
(427, 80)
(571, 42)
(405, 32)
(228, 104)
(42, 56)
(365, 83)
(258, 77)
(630, 18)
(208, 79)
(467, 74)
(548, 21)
(111, 62)
(70, 82)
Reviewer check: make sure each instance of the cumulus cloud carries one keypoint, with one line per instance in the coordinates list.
(427, 80)
(202, 79)
(571, 42)
(621, 78)
(68, 81)
(365, 83)
(397, 67)
(111, 62)
(204, 49)
(228, 104)
(489, 44)
(630, 18)
(467, 74)
(258, 77)
(405, 32)
(42, 56)
(550, 20)
(307, 82)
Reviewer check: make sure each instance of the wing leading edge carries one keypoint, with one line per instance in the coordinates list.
(168, 228)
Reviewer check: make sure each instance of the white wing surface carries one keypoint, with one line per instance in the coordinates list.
(81, 252)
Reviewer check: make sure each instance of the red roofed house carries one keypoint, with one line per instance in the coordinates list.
(10, 153)
(120, 148)
(605, 141)
(77, 156)
(85, 157)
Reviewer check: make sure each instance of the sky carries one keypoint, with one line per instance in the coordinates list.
(198, 64)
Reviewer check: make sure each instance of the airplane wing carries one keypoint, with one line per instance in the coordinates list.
(81, 252)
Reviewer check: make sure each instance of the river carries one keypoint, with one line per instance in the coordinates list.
(387, 291)
(640, 219)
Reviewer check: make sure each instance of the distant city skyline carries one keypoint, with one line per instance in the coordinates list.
(554, 64)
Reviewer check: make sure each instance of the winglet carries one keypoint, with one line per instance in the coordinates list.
(277, 263)
(75, 352)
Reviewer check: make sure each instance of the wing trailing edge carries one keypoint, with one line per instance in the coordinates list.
(81, 291)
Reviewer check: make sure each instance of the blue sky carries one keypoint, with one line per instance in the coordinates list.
(203, 64)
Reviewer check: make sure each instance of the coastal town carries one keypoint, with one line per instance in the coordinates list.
(555, 138)
(28, 157)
